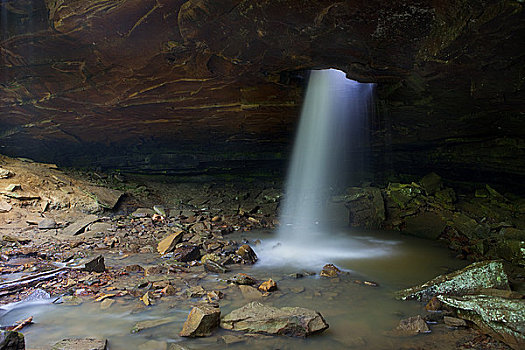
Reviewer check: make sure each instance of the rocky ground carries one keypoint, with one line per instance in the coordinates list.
(58, 226)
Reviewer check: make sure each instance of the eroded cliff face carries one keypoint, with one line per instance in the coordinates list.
(185, 85)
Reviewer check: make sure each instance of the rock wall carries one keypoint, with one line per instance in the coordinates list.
(189, 86)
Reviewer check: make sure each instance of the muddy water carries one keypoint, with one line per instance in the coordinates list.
(357, 314)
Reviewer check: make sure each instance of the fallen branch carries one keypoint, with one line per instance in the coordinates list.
(31, 279)
(22, 324)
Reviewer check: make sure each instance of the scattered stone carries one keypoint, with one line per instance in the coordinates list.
(78, 226)
(47, 224)
(196, 292)
(250, 293)
(187, 253)
(142, 213)
(201, 321)
(5, 207)
(247, 254)
(13, 187)
(268, 286)
(242, 279)
(484, 274)
(168, 244)
(134, 268)
(212, 266)
(290, 321)
(95, 265)
(409, 327)
(142, 325)
(168, 290)
(105, 197)
(146, 299)
(10, 340)
(502, 318)
(81, 344)
(454, 321)
(5, 174)
(330, 270)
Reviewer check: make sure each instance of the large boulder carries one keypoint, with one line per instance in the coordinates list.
(11, 340)
(201, 321)
(290, 321)
(502, 318)
(480, 275)
(366, 207)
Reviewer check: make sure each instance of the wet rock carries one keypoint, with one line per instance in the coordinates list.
(212, 266)
(81, 344)
(247, 254)
(484, 274)
(106, 304)
(10, 340)
(268, 286)
(187, 253)
(330, 270)
(403, 195)
(366, 207)
(409, 327)
(431, 183)
(454, 321)
(500, 317)
(153, 345)
(196, 292)
(242, 279)
(78, 226)
(290, 321)
(201, 321)
(426, 225)
(168, 244)
(5, 174)
(105, 197)
(134, 268)
(47, 224)
(433, 304)
(159, 209)
(232, 339)
(142, 213)
(95, 265)
(148, 324)
(5, 207)
(250, 293)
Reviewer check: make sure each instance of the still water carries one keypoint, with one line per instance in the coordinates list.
(357, 314)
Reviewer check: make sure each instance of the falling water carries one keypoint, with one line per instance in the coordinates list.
(333, 122)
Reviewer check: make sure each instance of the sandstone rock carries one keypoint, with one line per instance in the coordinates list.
(409, 327)
(187, 253)
(330, 270)
(366, 207)
(242, 279)
(454, 321)
(13, 187)
(484, 274)
(5, 174)
(148, 324)
(47, 224)
(5, 207)
(95, 265)
(426, 225)
(105, 197)
(10, 340)
(290, 321)
(250, 293)
(500, 317)
(78, 226)
(247, 254)
(433, 304)
(268, 286)
(201, 321)
(196, 292)
(212, 266)
(81, 344)
(168, 244)
(142, 213)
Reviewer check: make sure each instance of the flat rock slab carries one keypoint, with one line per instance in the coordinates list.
(81, 344)
(479, 275)
(105, 197)
(201, 321)
(290, 321)
(78, 226)
(168, 244)
(502, 318)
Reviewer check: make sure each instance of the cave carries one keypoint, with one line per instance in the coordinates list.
(158, 134)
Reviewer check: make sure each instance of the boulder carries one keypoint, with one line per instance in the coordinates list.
(250, 293)
(500, 317)
(81, 344)
(290, 321)
(242, 279)
(366, 207)
(168, 244)
(330, 270)
(106, 197)
(409, 327)
(10, 340)
(78, 226)
(426, 225)
(247, 254)
(47, 224)
(268, 286)
(431, 183)
(201, 321)
(479, 275)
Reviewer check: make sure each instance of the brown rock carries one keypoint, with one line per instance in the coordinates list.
(454, 321)
(95, 265)
(250, 293)
(433, 304)
(330, 270)
(247, 254)
(243, 279)
(168, 243)
(409, 327)
(201, 321)
(187, 253)
(268, 286)
(5, 207)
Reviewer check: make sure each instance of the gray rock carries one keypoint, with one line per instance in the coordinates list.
(47, 224)
(201, 321)
(454, 321)
(426, 225)
(105, 197)
(479, 275)
(10, 340)
(81, 344)
(409, 327)
(366, 207)
(5, 207)
(290, 321)
(78, 226)
(500, 317)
